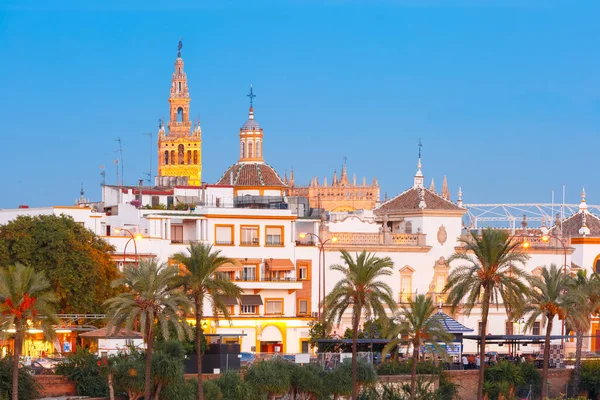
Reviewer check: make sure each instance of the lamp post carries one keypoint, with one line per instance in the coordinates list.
(132, 237)
(321, 244)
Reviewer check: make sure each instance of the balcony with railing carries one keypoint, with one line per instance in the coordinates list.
(379, 239)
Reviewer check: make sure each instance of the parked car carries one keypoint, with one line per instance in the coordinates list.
(246, 359)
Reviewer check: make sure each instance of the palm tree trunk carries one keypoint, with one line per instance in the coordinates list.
(111, 389)
(149, 348)
(354, 360)
(485, 306)
(577, 369)
(413, 371)
(546, 356)
(157, 392)
(199, 346)
(16, 354)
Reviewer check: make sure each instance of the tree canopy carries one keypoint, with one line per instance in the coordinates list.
(76, 261)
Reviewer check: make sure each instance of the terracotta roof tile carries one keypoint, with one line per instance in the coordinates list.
(409, 200)
(251, 174)
(572, 225)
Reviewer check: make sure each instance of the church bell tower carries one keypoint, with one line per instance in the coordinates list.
(180, 147)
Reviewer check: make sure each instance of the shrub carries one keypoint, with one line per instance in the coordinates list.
(590, 377)
(271, 377)
(188, 390)
(233, 387)
(396, 367)
(83, 368)
(28, 387)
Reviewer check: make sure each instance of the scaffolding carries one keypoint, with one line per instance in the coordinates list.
(508, 215)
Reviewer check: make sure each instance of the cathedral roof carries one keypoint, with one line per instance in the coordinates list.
(251, 174)
(572, 225)
(413, 199)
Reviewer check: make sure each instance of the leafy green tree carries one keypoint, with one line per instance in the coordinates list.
(233, 387)
(586, 303)
(25, 295)
(419, 325)
(305, 381)
(318, 330)
(154, 295)
(491, 274)
(362, 289)
(167, 365)
(129, 374)
(271, 377)
(28, 386)
(77, 262)
(548, 298)
(200, 281)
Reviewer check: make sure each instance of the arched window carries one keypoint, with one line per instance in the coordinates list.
(180, 154)
(166, 157)
(179, 87)
(173, 159)
(195, 156)
(249, 149)
(180, 114)
(242, 150)
(406, 274)
(408, 227)
(189, 156)
(258, 149)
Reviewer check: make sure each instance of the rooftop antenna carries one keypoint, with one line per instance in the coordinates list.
(121, 160)
(103, 175)
(116, 162)
(149, 134)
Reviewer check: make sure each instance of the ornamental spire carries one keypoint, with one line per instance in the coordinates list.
(583, 205)
(418, 181)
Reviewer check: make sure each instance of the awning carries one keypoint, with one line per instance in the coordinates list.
(280, 264)
(250, 261)
(252, 300)
(229, 300)
(231, 267)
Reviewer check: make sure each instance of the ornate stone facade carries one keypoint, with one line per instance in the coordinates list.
(179, 149)
(341, 195)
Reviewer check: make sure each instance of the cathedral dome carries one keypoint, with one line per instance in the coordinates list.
(251, 175)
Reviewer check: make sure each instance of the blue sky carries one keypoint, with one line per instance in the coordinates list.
(505, 95)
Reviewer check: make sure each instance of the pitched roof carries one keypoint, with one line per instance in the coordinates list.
(572, 225)
(450, 324)
(410, 199)
(121, 334)
(251, 174)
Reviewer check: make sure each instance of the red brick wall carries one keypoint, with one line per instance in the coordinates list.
(55, 386)
(467, 382)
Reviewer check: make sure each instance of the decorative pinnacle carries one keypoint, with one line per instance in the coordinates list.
(179, 46)
(251, 95)
(420, 146)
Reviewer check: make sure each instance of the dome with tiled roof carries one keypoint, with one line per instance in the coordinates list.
(251, 175)
(582, 223)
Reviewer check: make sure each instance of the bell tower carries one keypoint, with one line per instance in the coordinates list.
(180, 147)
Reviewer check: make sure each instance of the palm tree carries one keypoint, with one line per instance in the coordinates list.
(201, 282)
(25, 295)
(587, 302)
(548, 298)
(153, 295)
(361, 289)
(418, 325)
(491, 274)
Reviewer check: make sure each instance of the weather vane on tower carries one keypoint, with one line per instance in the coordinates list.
(420, 145)
(251, 95)
(179, 46)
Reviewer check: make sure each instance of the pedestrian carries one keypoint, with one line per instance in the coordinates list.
(465, 362)
(478, 362)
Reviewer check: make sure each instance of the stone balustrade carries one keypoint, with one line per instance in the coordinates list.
(377, 239)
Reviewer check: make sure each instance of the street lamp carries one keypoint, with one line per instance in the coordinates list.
(132, 237)
(321, 244)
